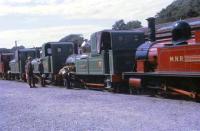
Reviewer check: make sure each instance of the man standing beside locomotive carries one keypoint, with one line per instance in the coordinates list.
(41, 70)
(29, 73)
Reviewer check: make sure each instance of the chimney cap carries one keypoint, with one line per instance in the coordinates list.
(151, 18)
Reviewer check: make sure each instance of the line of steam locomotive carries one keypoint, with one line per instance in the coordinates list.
(169, 60)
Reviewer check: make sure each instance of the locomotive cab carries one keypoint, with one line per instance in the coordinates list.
(113, 47)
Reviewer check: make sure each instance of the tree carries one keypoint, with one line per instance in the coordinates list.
(18, 47)
(4, 50)
(75, 38)
(121, 25)
(133, 24)
(179, 9)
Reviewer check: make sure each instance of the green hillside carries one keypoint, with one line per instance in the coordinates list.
(179, 9)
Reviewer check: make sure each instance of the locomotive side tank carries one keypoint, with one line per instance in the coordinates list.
(111, 54)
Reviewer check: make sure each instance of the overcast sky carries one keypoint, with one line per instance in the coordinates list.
(34, 22)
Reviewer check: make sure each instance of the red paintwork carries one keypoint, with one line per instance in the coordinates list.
(185, 58)
(142, 66)
(4, 62)
(153, 53)
(1, 64)
(135, 82)
(197, 36)
(2, 68)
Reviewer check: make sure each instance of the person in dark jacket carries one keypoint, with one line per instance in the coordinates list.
(41, 70)
(29, 73)
(66, 77)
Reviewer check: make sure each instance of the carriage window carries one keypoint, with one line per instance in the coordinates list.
(136, 38)
(70, 50)
(94, 43)
(41, 53)
(49, 51)
(123, 39)
(106, 41)
(59, 50)
(120, 38)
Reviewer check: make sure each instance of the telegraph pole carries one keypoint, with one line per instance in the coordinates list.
(15, 43)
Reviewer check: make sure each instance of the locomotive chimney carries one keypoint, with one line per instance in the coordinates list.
(152, 29)
(75, 48)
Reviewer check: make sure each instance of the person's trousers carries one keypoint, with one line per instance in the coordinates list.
(42, 81)
(31, 80)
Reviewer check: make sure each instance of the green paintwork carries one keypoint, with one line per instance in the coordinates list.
(112, 52)
(82, 66)
(46, 64)
(96, 65)
(17, 66)
(54, 55)
(14, 67)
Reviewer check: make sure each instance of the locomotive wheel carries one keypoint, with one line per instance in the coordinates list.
(67, 85)
(116, 90)
(23, 77)
(134, 91)
(17, 77)
(131, 90)
(6, 76)
(85, 86)
(120, 87)
(197, 96)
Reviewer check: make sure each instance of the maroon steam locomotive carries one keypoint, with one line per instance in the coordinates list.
(4, 64)
(170, 64)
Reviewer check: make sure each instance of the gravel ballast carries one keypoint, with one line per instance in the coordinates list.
(51, 108)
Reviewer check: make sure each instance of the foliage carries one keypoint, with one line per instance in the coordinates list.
(4, 50)
(133, 24)
(179, 9)
(76, 38)
(13, 49)
(18, 47)
(121, 25)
